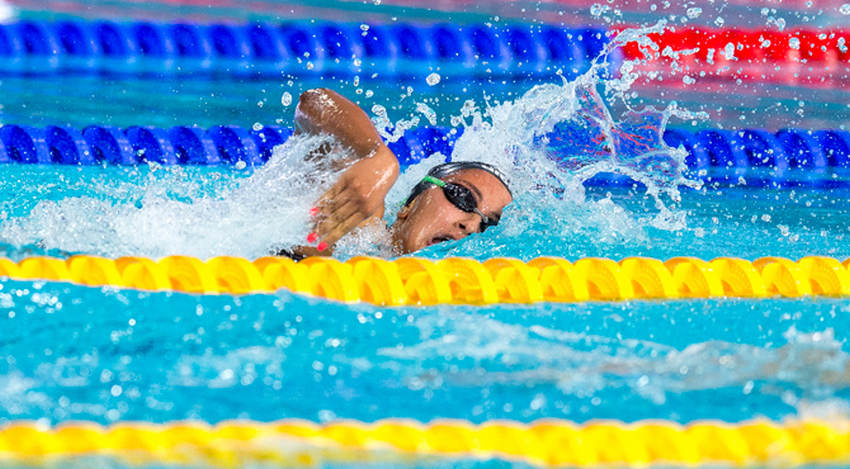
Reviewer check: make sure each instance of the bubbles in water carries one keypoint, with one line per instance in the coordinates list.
(365, 29)
(794, 43)
(694, 12)
(688, 80)
(286, 98)
(845, 9)
(433, 79)
(719, 21)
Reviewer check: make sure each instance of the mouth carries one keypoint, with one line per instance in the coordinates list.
(439, 239)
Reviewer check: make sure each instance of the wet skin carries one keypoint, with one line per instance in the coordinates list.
(430, 218)
(357, 198)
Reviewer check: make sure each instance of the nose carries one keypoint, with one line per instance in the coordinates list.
(467, 227)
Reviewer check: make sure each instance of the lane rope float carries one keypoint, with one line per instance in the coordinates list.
(151, 50)
(544, 442)
(787, 158)
(416, 281)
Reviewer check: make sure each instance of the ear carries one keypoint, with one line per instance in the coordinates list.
(404, 212)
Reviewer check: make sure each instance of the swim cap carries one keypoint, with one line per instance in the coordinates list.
(442, 170)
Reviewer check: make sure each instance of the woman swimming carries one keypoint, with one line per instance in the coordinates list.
(453, 201)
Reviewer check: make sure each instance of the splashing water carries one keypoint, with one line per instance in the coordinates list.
(554, 138)
(242, 216)
(549, 141)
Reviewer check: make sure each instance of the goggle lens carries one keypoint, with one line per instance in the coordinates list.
(462, 198)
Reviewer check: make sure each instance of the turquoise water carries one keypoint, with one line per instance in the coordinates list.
(69, 352)
(78, 100)
(76, 353)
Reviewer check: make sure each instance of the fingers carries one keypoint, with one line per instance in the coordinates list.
(328, 201)
(339, 216)
(340, 230)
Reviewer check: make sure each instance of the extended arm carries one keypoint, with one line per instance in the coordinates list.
(359, 194)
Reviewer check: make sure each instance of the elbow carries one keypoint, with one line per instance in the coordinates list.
(312, 102)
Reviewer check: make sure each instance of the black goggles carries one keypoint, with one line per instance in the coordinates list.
(462, 198)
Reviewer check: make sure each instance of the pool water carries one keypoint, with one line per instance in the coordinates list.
(105, 354)
(78, 100)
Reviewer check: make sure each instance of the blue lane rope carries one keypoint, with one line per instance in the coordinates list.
(788, 158)
(270, 50)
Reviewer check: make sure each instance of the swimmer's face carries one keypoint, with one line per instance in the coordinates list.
(430, 218)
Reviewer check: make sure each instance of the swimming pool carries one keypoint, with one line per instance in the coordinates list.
(372, 382)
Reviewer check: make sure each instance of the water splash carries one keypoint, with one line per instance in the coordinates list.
(553, 139)
(171, 214)
(549, 141)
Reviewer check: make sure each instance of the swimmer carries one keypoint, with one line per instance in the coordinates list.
(452, 202)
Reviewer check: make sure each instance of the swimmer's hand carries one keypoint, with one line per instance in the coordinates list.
(356, 198)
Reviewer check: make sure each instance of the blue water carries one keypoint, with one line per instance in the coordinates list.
(69, 352)
(79, 100)
(76, 353)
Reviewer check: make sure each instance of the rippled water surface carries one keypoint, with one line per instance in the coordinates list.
(70, 352)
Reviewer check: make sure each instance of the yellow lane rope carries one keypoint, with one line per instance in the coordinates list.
(544, 443)
(414, 281)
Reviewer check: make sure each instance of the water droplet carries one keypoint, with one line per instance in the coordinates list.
(357, 62)
(257, 126)
(845, 9)
(694, 12)
(794, 43)
(433, 79)
(365, 29)
(597, 9)
(369, 93)
(688, 80)
(240, 164)
(719, 21)
(286, 98)
(309, 65)
(260, 103)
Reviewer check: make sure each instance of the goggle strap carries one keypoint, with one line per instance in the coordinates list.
(434, 181)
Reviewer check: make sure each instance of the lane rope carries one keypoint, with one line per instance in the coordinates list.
(544, 442)
(789, 158)
(416, 281)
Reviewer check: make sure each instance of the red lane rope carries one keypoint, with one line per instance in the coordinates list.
(800, 56)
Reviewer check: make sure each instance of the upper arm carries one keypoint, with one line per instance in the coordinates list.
(322, 111)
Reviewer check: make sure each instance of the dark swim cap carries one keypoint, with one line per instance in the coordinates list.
(442, 170)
